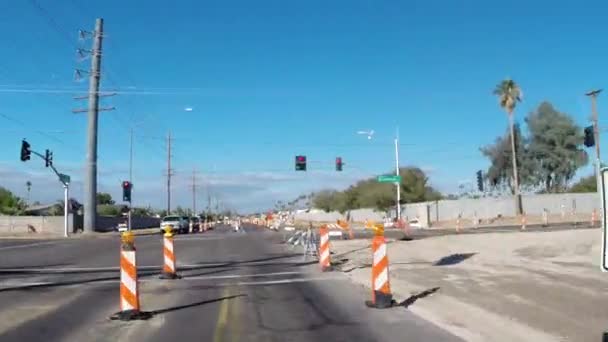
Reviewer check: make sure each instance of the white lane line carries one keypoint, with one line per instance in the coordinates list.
(232, 276)
(26, 245)
(18, 284)
(281, 282)
(102, 269)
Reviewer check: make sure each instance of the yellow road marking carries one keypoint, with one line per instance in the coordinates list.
(234, 332)
(222, 317)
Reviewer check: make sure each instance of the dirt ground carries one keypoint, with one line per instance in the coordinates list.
(517, 286)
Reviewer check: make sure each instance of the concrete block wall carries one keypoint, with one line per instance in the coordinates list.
(483, 208)
(42, 224)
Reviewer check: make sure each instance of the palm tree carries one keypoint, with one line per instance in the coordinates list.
(509, 94)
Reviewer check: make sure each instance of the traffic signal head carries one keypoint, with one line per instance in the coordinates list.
(25, 150)
(300, 163)
(48, 158)
(338, 164)
(126, 191)
(589, 139)
(479, 181)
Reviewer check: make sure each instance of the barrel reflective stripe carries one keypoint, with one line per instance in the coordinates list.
(128, 281)
(324, 247)
(380, 276)
(169, 257)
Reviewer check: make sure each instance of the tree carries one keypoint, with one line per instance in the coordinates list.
(500, 172)
(369, 193)
(556, 143)
(509, 94)
(585, 184)
(324, 200)
(9, 203)
(104, 198)
(415, 187)
(108, 210)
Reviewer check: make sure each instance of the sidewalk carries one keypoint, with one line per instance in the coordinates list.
(521, 286)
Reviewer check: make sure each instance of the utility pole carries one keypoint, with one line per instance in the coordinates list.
(169, 173)
(193, 192)
(90, 187)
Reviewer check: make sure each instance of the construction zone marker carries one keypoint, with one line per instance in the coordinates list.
(524, 221)
(169, 256)
(324, 258)
(381, 290)
(346, 226)
(129, 296)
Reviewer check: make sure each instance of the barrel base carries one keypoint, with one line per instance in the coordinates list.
(383, 301)
(166, 275)
(131, 315)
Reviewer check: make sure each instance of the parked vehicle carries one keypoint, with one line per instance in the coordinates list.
(177, 223)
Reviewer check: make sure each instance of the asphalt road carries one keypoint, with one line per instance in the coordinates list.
(235, 287)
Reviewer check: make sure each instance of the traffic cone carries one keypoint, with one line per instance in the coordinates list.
(381, 290)
(129, 296)
(169, 257)
(593, 217)
(523, 222)
(324, 258)
(458, 225)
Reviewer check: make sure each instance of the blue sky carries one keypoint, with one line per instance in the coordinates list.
(271, 79)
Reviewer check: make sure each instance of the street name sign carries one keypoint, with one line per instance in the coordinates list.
(389, 179)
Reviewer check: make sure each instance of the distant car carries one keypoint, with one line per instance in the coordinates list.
(196, 224)
(177, 223)
(414, 223)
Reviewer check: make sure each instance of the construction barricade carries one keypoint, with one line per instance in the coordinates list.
(324, 256)
(381, 290)
(169, 264)
(129, 296)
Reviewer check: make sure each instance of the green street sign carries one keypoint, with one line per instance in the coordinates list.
(389, 179)
(63, 178)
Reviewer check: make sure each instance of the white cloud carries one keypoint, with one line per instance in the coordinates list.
(246, 191)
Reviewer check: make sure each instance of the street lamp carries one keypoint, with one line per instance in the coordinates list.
(370, 134)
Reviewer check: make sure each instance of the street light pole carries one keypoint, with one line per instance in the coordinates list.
(398, 184)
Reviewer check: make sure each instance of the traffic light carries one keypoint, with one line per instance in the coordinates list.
(338, 164)
(479, 181)
(589, 138)
(48, 158)
(126, 191)
(300, 163)
(25, 150)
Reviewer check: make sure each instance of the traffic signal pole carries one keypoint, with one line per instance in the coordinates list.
(596, 137)
(48, 159)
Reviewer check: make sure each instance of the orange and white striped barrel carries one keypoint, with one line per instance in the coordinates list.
(593, 217)
(169, 258)
(129, 297)
(324, 260)
(381, 294)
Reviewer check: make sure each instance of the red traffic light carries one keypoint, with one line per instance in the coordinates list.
(126, 184)
(301, 158)
(338, 160)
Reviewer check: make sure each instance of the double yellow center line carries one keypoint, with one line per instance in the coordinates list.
(229, 308)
